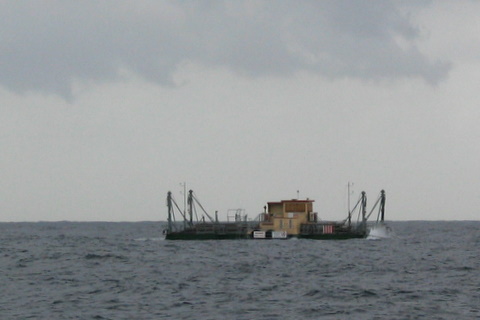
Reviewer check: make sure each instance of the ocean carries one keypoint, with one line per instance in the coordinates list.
(104, 270)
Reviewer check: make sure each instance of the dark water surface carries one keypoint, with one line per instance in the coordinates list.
(69, 270)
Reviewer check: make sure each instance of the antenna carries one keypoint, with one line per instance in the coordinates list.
(348, 202)
(184, 184)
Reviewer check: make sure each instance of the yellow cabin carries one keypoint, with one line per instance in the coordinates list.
(288, 216)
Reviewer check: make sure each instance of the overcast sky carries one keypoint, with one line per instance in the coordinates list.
(105, 106)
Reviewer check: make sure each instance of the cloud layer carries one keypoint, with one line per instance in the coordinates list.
(48, 46)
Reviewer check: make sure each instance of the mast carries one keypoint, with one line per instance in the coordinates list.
(190, 205)
(348, 204)
(364, 210)
(170, 209)
(382, 205)
(184, 204)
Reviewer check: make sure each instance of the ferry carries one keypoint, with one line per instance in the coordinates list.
(283, 219)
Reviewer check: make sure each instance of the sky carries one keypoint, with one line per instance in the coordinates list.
(105, 106)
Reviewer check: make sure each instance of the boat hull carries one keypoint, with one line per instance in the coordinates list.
(333, 236)
(203, 236)
(216, 236)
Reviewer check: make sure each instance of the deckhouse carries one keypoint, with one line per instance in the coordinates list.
(288, 215)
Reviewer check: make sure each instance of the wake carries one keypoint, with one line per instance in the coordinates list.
(380, 231)
(150, 239)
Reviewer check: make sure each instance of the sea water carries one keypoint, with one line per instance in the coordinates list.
(66, 270)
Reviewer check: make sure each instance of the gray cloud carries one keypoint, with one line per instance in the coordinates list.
(47, 46)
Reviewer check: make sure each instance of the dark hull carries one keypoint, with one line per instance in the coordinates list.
(204, 236)
(215, 236)
(332, 236)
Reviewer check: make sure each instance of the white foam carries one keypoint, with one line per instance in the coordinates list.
(150, 239)
(380, 231)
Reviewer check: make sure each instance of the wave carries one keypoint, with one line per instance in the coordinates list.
(380, 231)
